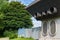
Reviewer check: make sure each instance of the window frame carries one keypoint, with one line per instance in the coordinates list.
(44, 34)
(52, 35)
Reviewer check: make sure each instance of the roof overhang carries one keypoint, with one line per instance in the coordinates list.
(34, 2)
(44, 9)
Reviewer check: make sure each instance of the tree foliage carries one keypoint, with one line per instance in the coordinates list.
(14, 16)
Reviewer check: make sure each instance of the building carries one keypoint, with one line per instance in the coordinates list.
(47, 11)
(28, 33)
(36, 33)
(21, 32)
(32, 32)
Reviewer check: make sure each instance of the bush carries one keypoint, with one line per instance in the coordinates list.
(10, 34)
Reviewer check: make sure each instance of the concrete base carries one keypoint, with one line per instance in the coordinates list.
(4, 38)
(49, 39)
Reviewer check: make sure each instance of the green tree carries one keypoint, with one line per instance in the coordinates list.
(2, 2)
(15, 16)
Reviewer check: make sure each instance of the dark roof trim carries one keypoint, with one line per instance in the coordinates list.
(34, 2)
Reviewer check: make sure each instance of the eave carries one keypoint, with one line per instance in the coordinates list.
(42, 10)
(34, 2)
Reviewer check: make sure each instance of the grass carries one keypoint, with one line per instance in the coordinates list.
(22, 39)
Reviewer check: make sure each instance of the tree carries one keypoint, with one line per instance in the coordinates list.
(15, 16)
(2, 2)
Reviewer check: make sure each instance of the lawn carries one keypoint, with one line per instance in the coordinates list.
(23, 39)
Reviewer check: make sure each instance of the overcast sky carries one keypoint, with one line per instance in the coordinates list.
(35, 22)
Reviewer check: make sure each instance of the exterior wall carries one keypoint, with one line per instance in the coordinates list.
(21, 32)
(25, 32)
(36, 32)
(28, 33)
(57, 28)
(48, 37)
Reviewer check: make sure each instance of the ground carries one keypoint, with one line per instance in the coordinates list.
(22, 39)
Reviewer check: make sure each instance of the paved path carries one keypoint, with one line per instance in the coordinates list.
(4, 38)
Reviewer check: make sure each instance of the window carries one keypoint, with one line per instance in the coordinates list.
(53, 9)
(52, 28)
(44, 28)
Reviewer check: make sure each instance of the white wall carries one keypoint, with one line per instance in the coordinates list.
(36, 33)
(48, 37)
(28, 32)
(57, 28)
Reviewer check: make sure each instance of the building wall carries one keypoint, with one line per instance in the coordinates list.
(57, 28)
(25, 33)
(21, 32)
(36, 32)
(57, 34)
(28, 33)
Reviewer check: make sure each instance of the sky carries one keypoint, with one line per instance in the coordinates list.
(26, 2)
(35, 22)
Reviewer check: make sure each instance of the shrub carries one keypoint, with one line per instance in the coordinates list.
(10, 34)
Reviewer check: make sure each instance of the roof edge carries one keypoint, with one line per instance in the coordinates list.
(34, 2)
